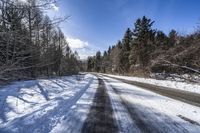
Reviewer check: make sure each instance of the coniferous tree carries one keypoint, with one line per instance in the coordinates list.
(90, 64)
(98, 62)
(144, 37)
(161, 39)
(105, 62)
(149, 50)
(126, 47)
(172, 38)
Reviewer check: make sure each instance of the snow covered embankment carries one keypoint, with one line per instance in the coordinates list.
(195, 88)
(37, 105)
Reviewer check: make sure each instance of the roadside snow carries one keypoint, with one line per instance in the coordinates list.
(38, 105)
(165, 83)
(156, 110)
(72, 122)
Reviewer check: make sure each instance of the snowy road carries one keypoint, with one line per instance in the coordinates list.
(151, 112)
(92, 104)
(175, 93)
(100, 118)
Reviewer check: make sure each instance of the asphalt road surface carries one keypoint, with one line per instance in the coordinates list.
(112, 111)
(100, 118)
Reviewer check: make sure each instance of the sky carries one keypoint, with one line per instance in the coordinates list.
(97, 24)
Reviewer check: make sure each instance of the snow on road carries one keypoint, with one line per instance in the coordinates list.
(77, 114)
(40, 105)
(122, 116)
(68, 104)
(151, 112)
(165, 83)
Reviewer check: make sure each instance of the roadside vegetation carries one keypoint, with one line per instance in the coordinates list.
(31, 44)
(145, 51)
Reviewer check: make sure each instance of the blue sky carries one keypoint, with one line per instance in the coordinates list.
(95, 24)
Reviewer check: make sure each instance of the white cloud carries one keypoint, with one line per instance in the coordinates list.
(54, 7)
(75, 43)
(24, 1)
(82, 47)
(84, 53)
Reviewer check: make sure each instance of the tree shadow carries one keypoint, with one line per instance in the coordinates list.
(43, 92)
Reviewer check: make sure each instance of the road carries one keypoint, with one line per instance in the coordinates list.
(185, 96)
(116, 108)
(100, 118)
(91, 103)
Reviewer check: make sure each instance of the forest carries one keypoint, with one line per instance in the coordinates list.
(31, 44)
(144, 51)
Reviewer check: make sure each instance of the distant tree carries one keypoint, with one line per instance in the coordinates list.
(133, 56)
(98, 62)
(160, 38)
(90, 64)
(146, 50)
(126, 48)
(115, 57)
(104, 64)
(144, 37)
(109, 50)
(172, 38)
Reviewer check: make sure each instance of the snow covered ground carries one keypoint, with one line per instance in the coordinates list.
(75, 117)
(64, 104)
(41, 105)
(165, 83)
(152, 111)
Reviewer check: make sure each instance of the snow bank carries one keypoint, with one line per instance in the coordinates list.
(165, 83)
(37, 105)
(73, 120)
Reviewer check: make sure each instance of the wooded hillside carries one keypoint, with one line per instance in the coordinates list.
(31, 44)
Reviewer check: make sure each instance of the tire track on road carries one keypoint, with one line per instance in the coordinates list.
(144, 122)
(100, 118)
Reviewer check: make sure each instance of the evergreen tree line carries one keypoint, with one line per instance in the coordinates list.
(145, 50)
(31, 44)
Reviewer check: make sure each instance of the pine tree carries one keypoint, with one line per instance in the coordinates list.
(105, 62)
(126, 42)
(90, 64)
(144, 37)
(161, 40)
(98, 62)
(172, 38)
